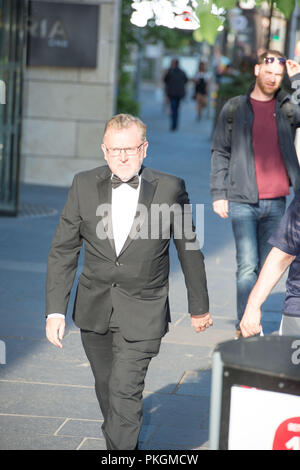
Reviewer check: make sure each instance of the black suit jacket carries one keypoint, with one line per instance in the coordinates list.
(135, 283)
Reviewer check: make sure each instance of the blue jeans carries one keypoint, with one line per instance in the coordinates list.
(252, 226)
(174, 103)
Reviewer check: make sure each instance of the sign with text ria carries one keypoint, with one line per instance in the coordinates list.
(62, 34)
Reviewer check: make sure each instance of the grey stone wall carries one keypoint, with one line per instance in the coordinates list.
(65, 109)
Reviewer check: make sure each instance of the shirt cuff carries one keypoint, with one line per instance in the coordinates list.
(199, 314)
(55, 315)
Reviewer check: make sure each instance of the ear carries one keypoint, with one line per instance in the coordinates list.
(256, 69)
(103, 150)
(145, 148)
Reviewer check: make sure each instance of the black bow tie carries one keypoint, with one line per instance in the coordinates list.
(133, 182)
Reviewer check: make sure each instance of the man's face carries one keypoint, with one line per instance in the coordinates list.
(269, 77)
(122, 164)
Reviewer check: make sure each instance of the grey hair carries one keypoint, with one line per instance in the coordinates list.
(123, 121)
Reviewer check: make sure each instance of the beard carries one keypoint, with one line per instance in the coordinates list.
(267, 90)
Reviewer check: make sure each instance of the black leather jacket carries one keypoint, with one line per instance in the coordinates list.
(233, 174)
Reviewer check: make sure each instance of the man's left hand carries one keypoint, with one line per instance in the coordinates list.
(201, 323)
(292, 67)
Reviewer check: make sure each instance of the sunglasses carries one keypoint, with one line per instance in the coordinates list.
(270, 60)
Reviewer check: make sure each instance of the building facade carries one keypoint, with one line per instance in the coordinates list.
(65, 108)
(58, 87)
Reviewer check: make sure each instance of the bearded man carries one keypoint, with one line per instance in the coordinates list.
(254, 163)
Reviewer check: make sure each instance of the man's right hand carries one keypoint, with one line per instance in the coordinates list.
(55, 330)
(250, 324)
(220, 207)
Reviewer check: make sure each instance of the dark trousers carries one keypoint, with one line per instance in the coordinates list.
(119, 367)
(174, 103)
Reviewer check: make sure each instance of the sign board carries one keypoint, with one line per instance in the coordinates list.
(263, 420)
(62, 34)
(255, 394)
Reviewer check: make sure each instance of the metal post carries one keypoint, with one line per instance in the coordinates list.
(270, 25)
(292, 32)
(215, 401)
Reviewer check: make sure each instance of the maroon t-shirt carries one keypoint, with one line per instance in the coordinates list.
(271, 176)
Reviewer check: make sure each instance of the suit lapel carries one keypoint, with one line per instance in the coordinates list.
(104, 192)
(148, 187)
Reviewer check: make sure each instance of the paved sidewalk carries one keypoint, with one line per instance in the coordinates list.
(47, 395)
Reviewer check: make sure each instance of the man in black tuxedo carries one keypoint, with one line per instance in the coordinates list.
(121, 304)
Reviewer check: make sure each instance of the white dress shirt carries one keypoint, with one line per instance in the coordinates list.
(123, 208)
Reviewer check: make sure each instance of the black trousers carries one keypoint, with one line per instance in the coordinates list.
(119, 367)
(174, 103)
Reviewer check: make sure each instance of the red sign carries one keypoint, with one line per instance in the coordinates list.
(287, 435)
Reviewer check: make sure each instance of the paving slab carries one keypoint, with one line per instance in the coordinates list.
(48, 399)
(20, 441)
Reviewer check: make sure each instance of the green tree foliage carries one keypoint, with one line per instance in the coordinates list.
(130, 35)
(173, 39)
(126, 102)
(210, 20)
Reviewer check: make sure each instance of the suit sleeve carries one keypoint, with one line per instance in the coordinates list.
(63, 255)
(189, 254)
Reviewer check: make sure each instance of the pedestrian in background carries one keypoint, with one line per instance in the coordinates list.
(175, 80)
(201, 89)
(254, 162)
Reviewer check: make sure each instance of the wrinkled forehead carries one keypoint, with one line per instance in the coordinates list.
(130, 135)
